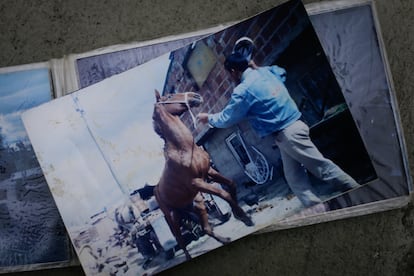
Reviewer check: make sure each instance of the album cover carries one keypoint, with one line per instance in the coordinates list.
(145, 179)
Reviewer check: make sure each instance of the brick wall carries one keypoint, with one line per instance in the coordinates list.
(271, 31)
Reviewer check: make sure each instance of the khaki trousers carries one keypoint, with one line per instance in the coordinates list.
(299, 156)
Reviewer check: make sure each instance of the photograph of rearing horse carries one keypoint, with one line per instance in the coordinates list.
(187, 166)
(245, 128)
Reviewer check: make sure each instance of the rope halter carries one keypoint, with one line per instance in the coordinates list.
(187, 104)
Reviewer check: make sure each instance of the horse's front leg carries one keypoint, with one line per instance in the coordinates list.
(173, 221)
(201, 210)
(238, 212)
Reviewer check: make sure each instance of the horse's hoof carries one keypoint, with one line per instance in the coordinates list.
(248, 221)
(245, 219)
(225, 240)
(241, 215)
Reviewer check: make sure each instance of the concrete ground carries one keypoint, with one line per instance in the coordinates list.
(377, 244)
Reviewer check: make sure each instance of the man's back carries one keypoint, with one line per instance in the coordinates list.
(270, 106)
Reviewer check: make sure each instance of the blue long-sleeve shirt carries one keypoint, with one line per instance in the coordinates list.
(263, 99)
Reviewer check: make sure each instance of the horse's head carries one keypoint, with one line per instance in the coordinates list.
(177, 104)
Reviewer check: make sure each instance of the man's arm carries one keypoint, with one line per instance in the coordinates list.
(234, 112)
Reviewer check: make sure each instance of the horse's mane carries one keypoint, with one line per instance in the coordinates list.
(155, 119)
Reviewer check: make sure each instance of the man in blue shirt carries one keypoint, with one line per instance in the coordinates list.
(264, 100)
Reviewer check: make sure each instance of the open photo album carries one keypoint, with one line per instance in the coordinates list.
(215, 140)
(144, 156)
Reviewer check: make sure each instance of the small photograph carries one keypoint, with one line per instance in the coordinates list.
(31, 230)
(200, 147)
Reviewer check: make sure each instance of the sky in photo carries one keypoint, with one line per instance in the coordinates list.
(19, 91)
(101, 144)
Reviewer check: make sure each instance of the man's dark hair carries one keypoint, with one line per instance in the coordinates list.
(237, 62)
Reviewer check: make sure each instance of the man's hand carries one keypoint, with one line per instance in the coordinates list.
(202, 118)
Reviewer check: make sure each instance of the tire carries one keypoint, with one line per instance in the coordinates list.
(169, 254)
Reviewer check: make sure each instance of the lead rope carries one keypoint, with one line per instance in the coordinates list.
(189, 110)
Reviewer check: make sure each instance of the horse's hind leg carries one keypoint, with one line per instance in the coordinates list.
(173, 222)
(200, 208)
(238, 212)
(217, 177)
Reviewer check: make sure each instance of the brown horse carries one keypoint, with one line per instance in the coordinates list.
(187, 166)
